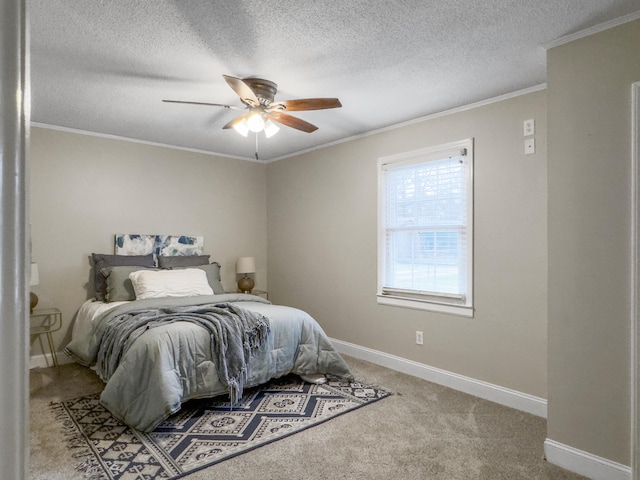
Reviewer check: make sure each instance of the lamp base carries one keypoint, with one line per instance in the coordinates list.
(245, 284)
(33, 301)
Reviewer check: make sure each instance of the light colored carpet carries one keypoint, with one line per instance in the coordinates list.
(424, 431)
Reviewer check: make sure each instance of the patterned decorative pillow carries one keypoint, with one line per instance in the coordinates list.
(187, 282)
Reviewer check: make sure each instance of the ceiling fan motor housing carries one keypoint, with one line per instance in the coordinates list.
(265, 90)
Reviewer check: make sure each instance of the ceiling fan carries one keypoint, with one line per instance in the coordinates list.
(257, 95)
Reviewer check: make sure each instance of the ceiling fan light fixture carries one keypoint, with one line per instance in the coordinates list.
(242, 128)
(257, 96)
(255, 122)
(270, 129)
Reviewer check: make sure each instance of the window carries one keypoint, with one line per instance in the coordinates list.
(425, 229)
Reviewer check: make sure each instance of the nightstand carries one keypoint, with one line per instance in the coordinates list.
(46, 321)
(260, 293)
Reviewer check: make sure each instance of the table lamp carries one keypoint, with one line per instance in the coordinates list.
(245, 265)
(35, 280)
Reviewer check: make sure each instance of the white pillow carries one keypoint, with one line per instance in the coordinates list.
(187, 282)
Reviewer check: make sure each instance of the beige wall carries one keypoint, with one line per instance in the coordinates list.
(322, 252)
(589, 94)
(84, 189)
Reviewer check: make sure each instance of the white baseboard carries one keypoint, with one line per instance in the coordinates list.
(494, 393)
(45, 360)
(583, 463)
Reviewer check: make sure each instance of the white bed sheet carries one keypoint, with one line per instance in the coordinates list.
(89, 311)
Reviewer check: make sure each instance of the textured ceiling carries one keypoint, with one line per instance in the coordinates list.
(104, 66)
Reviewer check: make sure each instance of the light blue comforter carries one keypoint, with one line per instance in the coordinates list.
(174, 362)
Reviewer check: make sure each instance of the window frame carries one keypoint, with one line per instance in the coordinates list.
(431, 301)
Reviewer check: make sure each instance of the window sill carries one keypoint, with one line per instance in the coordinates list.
(458, 310)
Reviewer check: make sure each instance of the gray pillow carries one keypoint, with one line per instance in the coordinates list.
(213, 276)
(101, 261)
(178, 261)
(119, 286)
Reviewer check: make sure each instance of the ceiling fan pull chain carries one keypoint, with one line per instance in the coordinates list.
(257, 146)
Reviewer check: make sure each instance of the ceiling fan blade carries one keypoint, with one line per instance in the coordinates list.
(292, 122)
(242, 90)
(204, 103)
(310, 104)
(236, 120)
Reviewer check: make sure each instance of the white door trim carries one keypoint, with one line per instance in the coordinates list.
(14, 283)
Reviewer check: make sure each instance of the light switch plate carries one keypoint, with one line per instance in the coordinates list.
(529, 127)
(529, 146)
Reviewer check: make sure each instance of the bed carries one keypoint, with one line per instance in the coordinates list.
(155, 348)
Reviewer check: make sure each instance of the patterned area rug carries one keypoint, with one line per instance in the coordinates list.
(204, 432)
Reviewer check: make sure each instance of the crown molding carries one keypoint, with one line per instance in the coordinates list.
(592, 30)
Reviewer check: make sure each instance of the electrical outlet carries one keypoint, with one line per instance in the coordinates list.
(529, 127)
(529, 146)
(419, 338)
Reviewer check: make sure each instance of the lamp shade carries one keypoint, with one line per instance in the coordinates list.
(270, 129)
(35, 276)
(246, 265)
(241, 127)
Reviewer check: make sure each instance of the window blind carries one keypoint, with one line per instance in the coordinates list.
(425, 219)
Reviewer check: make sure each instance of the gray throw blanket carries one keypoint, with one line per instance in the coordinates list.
(235, 333)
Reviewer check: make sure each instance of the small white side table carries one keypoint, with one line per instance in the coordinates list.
(260, 293)
(46, 321)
